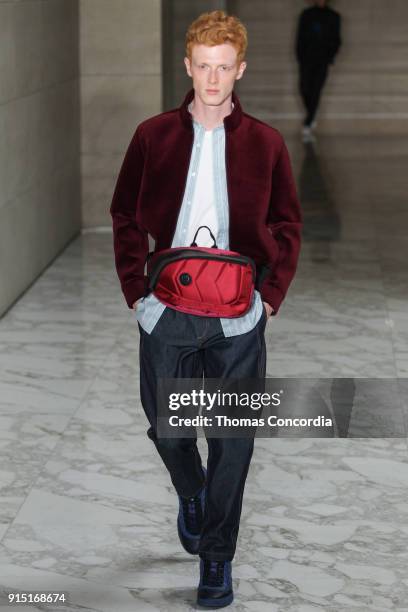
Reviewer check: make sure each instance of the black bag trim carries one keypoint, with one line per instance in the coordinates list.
(167, 258)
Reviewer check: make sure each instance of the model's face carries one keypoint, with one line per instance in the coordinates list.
(214, 71)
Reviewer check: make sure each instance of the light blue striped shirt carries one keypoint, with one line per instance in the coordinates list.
(150, 309)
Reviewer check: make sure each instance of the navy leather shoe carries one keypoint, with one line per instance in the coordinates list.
(215, 588)
(190, 520)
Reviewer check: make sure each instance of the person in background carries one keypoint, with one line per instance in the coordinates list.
(318, 40)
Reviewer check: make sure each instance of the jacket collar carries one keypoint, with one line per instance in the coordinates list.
(231, 122)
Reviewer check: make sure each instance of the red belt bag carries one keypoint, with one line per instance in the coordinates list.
(202, 281)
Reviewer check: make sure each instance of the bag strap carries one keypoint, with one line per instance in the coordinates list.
(194, 244)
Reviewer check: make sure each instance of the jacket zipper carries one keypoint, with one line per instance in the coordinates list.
(228, 189)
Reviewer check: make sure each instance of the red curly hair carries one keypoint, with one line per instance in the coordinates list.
(217, 28)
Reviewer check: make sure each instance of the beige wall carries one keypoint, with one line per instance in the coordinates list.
(39, 120)
(367, 88)
(120, 51)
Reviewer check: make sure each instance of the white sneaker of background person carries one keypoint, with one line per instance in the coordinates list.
(307, 134)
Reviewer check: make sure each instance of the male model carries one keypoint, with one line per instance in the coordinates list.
(206, 163)
(317, 43)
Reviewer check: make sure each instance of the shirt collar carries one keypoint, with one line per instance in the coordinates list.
(231, 122)
(199, 125)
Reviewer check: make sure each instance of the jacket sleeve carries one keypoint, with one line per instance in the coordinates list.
(284, 222)
(130, 240)
(300, 37)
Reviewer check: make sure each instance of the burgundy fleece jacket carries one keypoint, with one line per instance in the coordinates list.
(264, 213)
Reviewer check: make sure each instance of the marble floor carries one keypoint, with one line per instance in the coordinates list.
(86, 507)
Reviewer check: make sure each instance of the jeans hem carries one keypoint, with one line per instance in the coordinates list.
(198, 492)
(215, 557)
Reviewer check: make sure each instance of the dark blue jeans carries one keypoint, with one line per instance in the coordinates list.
(188, 346)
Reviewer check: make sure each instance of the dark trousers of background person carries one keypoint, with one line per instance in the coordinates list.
(312, 76)
(188, 346)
